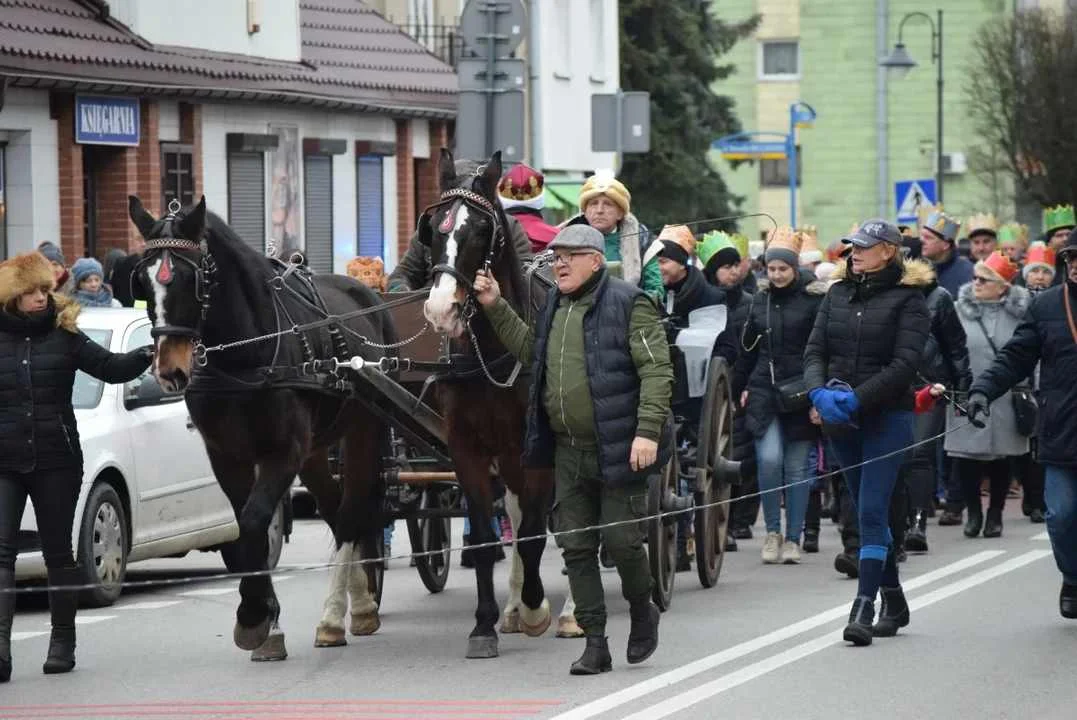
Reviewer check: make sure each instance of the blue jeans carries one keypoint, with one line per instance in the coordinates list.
(1060, 494)
(783, 463)
(871, 485)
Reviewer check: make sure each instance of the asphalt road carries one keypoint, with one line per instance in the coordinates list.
(985, 641)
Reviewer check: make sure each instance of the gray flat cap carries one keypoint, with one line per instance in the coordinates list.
(579, 237)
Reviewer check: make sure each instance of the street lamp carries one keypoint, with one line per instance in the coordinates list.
(900, 63)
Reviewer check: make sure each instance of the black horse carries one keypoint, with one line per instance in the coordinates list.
(467, 230)
(269, 409)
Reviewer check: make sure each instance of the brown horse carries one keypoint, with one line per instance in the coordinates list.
(263, 419)
(467, 230)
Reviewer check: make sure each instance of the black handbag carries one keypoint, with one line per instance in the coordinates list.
(1025, 408)
(793, 392)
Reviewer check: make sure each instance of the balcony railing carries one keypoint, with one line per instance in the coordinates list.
(442, 41)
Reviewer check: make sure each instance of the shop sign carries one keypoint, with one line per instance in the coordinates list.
(107, 120)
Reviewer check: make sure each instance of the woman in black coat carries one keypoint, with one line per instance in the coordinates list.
(41, 348)
(773, 340)
(860, 364)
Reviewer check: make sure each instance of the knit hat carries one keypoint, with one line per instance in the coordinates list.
(603, 182)
(522, 186)
(982, 224)
(810, 251)
(1039, 255)
(675, 243)
(784, 243)
(84, 268)
(52, 253)
(716, 250)
(1057, 218)
(999, 266)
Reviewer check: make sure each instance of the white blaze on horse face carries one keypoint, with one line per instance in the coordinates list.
(159, 292)
(439, 307)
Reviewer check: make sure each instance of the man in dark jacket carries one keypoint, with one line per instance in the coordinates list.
(1047, 335)
(599, 407)
(938, 238)
(413, 271)
(41, 348)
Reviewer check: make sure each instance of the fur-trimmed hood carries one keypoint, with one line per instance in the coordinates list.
(915, 273)
(23, 273)
(1015, 302)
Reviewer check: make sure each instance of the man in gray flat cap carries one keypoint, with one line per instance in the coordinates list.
(599, 408)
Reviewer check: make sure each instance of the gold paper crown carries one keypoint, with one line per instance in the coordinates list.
(1058, 217)
(981, 222)
(782, 235)
(1013, 233)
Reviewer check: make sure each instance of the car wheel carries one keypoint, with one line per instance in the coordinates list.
(230, 551)
(103, 546)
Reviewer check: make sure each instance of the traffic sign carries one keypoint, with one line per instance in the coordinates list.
(910, 195)
(635, 123)
(509, 26)
(744, 147)
(509, 74)
(507, 134)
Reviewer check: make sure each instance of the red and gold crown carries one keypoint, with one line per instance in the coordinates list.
(522, 184)
(1000, 266)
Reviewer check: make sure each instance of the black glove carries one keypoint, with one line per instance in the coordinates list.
(979, 408)
(145, 352)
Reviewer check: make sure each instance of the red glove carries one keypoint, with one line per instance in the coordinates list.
(925, 401)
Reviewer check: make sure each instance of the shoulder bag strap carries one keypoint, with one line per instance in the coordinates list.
(994, 348)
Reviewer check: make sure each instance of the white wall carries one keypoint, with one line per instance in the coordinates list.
(32, 173)
(219, 120)
(219, 25)
(578, 57)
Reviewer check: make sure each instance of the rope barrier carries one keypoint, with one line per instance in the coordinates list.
(303, 568)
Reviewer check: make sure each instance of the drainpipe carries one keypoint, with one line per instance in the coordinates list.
(534, 72)
(882, 140)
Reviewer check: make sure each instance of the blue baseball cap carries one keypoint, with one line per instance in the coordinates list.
(872, 232)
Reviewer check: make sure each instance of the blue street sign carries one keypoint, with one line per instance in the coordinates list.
(909, 195)
(107, 120)
(733, 148)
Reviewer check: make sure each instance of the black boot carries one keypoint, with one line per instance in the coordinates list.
(643, 636)
(730, 543)
(993, 524)
(62, 607)
(893, 614)
(1067, 601)
(975, 522)
(848, 562)
(595, 659)
(858, 631)
(951, 514)
(1036, 516)
(7, 613)
(916, 538)
(811, 541)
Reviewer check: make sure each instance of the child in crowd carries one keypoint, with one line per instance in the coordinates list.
(90, 287)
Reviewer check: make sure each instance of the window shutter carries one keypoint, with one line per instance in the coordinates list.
(371, 206)
(318, 212)
(247, 198)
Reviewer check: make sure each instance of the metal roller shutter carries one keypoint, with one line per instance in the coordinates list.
(318, 212)
(371, 205)
(247, 197)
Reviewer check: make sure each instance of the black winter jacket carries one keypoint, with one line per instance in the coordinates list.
(782, 337)
(946, 356)
(692, 293)
(870, 332)
(1044, 337)
(38, 359)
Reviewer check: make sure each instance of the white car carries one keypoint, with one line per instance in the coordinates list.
(147, 487)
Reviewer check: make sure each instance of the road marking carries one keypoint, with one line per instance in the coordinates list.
(206, 592)
(671, 677)
(1042, 536)
(148, 605)
(26, 635)
(715, 687)
(91, 619)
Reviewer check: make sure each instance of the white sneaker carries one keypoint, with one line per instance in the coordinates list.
(772, 548)
(790, 553)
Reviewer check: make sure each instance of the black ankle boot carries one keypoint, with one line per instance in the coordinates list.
(1067, 601)
(595, 659)
(848, 563)
(993, 524)
(893, 614)
(62, 607)
(975, 522)
(643, 636)
(811, 541)
(858, 631)
(7, 613)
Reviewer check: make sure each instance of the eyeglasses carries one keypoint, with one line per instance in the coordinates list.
(980, 280)
(565, 258)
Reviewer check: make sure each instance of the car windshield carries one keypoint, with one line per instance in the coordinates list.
(87, 391)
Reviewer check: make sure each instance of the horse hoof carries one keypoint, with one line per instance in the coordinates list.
(365, 624)
(329, 636)
(482, 646)
(510, 623)
(567, 628)
(537, 621)
(272, 649)
(251, 638)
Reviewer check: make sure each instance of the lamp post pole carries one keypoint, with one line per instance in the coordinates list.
(937, 43)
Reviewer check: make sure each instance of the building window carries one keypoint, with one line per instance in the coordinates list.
(562, 20)
(177, 174)
(775, 173)
(779, 60)
(598, 41)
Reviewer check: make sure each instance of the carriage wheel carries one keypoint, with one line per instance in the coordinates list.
(714, 467)
(429, 534)
(662, 534)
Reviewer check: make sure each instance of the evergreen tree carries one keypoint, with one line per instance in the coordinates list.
(672, 49)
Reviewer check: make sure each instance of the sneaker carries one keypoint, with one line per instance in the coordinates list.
(772, 548)
(790, 553)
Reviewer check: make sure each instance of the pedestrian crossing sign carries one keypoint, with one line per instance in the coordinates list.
(910, 195)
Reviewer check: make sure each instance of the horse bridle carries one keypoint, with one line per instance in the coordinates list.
(194, 254)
